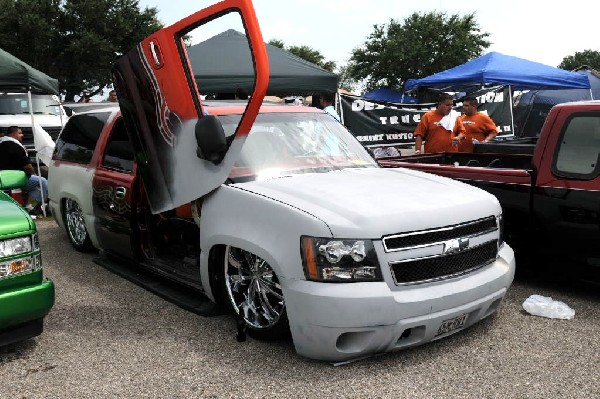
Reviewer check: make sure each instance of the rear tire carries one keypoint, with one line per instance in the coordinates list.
(251, 287)
(75, 225)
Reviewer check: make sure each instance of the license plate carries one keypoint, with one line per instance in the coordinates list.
(452, 324)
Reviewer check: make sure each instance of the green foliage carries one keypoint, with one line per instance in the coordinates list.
(306, 53)
(346, 81)
(421, 45)
(277, 43)
(588, 58)
(75, 41)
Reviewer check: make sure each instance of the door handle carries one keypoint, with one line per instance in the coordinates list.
(120, 192)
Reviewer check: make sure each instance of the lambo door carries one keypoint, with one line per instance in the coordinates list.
(183, 153)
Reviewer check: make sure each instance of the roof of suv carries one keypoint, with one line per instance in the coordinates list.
(217, 107)
(225, 107)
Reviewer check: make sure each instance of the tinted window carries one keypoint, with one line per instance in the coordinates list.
(118, 154)
(78, 139)
(579, 148)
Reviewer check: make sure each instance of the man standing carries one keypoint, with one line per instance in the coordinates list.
(479, 126)
(13, 156)
(112, 97)
(441, 128)
(327, 99)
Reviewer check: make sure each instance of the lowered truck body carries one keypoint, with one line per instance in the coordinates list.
(549, 186)
(275, 211)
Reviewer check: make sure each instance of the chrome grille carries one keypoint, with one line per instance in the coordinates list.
(28, 133)
(443, 266)
(427, 237)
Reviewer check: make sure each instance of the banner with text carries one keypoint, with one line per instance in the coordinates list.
(376, 123)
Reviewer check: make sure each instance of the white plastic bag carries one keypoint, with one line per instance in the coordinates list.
(547, 307)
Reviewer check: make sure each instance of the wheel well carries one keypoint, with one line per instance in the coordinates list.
(63, 204)
(216, 257)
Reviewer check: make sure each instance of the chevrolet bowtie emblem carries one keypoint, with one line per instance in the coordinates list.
(455, 245)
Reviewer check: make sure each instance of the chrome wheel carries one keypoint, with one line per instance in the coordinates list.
(75, 224)
(253, 289)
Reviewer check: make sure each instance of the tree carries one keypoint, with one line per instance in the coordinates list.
(306, 53)
(346, 82)
(75, 41)
(588, 58)
(419, 46)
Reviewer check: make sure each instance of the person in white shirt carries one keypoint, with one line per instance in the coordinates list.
(327, 99)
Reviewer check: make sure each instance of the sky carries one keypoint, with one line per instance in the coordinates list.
(539, 31)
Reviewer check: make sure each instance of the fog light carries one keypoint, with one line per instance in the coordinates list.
(19, 266)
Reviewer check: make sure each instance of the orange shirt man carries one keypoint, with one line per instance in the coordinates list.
(478, 126)
(437, 137)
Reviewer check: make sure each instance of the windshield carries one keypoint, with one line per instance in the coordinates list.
(281, 144)
(15, 104)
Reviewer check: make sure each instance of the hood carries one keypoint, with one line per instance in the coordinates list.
(23, 120)
(371, 203)
(14, 218)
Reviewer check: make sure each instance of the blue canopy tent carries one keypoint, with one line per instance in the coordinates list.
(533, 106)
(499, 69)
(390, 96)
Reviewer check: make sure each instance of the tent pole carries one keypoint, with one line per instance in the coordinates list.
(512, 118)
(43, 206)
(338, 104)
(37, 160)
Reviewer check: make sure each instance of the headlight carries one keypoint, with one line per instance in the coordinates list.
(15, 246)
(500, 223)
(330, 260)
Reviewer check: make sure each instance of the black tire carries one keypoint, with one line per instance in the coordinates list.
(239, 274)
(75, 226)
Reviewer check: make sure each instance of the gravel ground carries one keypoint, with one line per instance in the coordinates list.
(107, 337)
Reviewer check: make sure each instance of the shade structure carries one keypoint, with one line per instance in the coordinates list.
(533, 106)
(17, 76)
(499, 69)
(221, 65)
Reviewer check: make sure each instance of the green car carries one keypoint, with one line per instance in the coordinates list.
(25, 296)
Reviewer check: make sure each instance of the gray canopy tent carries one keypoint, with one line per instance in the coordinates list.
(18, 77)
(221, 65)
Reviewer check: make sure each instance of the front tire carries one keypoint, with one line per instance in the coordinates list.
(252, 288)
(75, 225)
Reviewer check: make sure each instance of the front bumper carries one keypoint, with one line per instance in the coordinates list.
(22, 309)
(342, 322)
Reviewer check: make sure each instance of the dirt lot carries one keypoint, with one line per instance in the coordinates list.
(107, 337)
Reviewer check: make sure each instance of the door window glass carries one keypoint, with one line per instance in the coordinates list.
(579, 147)
(78, 139)
(118, 154)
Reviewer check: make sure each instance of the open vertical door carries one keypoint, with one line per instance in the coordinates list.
(183, 154)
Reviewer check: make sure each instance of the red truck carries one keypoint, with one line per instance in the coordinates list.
(549, 186)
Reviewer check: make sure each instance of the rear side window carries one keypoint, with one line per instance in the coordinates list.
(78, 139)
(118, 154)
(579, 148)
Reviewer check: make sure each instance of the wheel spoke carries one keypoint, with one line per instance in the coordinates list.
(272, 287)
(269, 312)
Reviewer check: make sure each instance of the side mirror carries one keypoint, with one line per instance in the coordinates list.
(211, 140)
(12, 179)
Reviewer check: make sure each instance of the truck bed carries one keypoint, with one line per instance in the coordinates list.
(525, 145)
(503, 160)
(485, 160)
